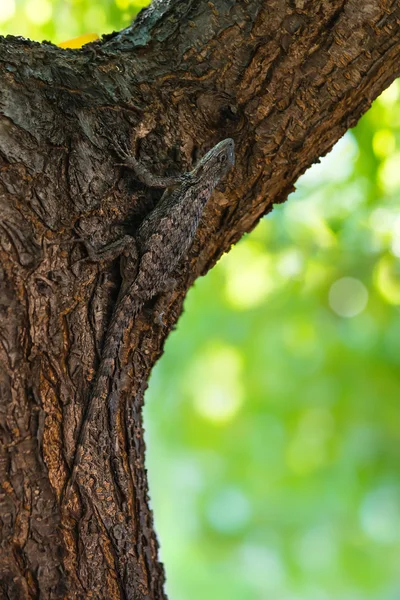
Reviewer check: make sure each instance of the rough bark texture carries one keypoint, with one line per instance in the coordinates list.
(285, 79)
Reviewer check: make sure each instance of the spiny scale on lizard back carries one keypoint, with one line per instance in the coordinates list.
(168, 232)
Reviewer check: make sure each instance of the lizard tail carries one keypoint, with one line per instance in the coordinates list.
(126, 308)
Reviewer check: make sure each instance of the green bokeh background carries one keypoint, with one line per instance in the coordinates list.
(273, 420)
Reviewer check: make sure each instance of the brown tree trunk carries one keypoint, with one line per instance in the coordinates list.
(285, 79)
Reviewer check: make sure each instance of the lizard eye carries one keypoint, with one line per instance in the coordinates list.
(222, 158)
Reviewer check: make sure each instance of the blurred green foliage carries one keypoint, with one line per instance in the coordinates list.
(273, 420)
(59, 20)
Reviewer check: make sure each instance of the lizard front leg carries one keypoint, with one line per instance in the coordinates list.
(143, 174)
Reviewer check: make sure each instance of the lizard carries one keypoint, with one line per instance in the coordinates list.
(148, 260)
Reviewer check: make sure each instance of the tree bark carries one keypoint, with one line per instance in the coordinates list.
(285, 79)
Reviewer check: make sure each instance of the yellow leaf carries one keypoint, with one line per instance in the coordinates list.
(80, 41)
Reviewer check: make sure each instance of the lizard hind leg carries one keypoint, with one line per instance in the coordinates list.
(124, 245)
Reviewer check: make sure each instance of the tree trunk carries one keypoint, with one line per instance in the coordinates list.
(285, 80)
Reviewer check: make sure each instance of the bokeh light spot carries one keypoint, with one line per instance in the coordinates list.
(262, 565)
(7, 10)
(387, 279)
(215, 384)
(389, 173)
(383, 143)
(229, 510)
(248, 276)
(380, 515)
(348, 297)
(290, 263)
(38, 11)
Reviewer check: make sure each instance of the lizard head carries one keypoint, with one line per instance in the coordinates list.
(216, 163)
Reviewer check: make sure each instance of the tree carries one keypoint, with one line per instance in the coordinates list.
(285, 81)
